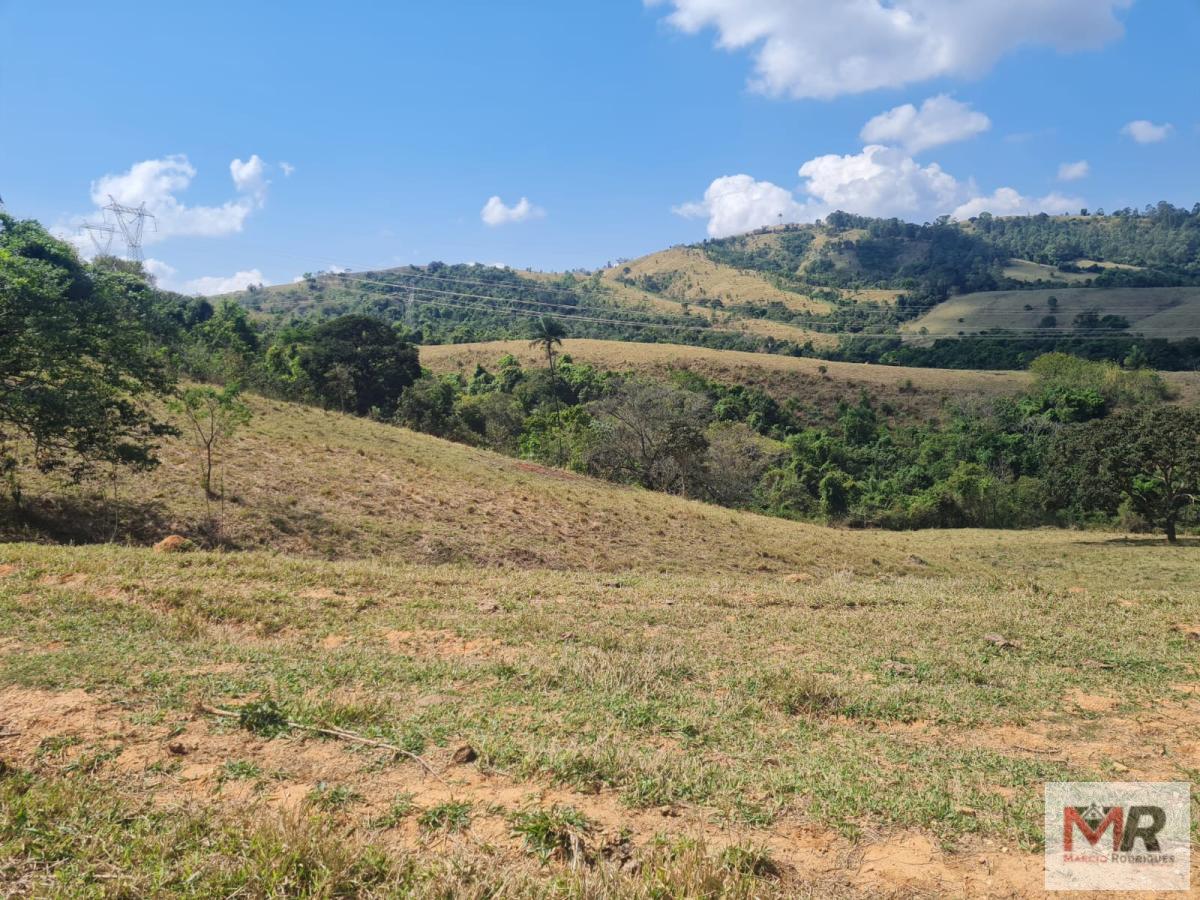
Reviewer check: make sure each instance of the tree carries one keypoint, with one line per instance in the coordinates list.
(1149, 455)
(214, 416)
(548, 333)
(79, 360)
(652, 434)
(358, 363)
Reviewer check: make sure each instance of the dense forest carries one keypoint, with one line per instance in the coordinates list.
(93, 352)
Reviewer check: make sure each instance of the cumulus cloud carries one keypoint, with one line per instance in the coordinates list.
(162, 273)
(1009, 202)
(1074, 171)
(738, 203)
(288, 169)
(158, 182)
(495, 213)
(1145, 132)
(940, 120)
(249, 177)
(880, 181)
(822, 49)
(212, 285)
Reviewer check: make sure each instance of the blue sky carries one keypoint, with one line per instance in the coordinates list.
(627, 126)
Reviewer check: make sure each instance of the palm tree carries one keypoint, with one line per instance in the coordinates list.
(548, 333)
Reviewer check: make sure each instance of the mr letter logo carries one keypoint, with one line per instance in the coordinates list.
(1118, 836)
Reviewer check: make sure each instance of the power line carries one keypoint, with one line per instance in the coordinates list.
(464, 302)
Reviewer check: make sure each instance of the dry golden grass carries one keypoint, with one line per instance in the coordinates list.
(644, 301)
(304, 481)
(697, 277)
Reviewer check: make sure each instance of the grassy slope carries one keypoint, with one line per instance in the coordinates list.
(304, 481)
(827, 701)
(694, 277)
(1154, 312)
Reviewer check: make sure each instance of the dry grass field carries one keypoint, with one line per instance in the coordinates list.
(694, 277)
(584, 690)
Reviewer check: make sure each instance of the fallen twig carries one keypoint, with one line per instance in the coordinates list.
(8, 734)
(337, 733)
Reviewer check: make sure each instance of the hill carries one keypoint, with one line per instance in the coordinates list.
(1164, 313)
(309, 482)
(844, 288)
(418, 668)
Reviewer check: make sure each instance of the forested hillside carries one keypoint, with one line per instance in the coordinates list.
(848, 288)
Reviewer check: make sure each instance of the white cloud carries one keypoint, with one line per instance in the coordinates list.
(880, 181)
(160, 271)
(495, 213)
(737, 203)
(215, 284)
(1008, 202)
(1074, 171)
(1145, 132)
(248, 177)
(288, 169)
(940, 120)
(818, 48)
(157, 182)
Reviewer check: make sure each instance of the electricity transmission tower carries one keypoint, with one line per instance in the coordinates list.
(101, 234)
(131, 221)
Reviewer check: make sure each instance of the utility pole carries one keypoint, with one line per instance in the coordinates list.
(131, 220)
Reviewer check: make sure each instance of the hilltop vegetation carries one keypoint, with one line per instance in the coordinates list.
(843, 289)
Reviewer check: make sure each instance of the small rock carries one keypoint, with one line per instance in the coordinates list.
(1119, 768)
(966, 811)
(464, 755)
(914, 560)
(1191, 632)
(177, 749)
(670, 811)
(998, 640)
(489, 606)
(899, 668)
(797, 578)
(174, 543)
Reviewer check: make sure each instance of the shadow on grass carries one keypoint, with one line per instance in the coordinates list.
(84, 520)
(1143, 542)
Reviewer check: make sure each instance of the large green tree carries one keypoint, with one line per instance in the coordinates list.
(358, 363)
(1149, 456)
(80, 359)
